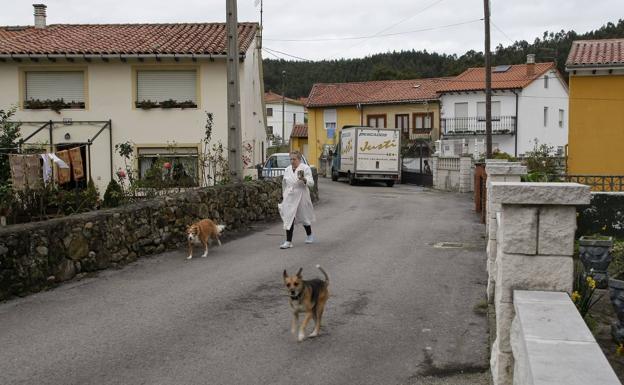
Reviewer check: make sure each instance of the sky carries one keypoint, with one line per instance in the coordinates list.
(334, 29)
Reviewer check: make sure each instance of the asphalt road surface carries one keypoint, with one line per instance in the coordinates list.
(407, 285)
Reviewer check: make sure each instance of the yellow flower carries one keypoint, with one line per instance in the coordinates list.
(575, 296)
(620, 350)
(591, 283)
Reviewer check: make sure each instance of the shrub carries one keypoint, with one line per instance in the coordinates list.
(114, 195)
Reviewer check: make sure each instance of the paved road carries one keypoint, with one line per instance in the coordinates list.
(400, 309)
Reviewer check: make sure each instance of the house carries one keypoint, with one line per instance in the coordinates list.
(149, 85)
(411, 105)
(299, 139)
(294, 113)
(529, 102)
(596, 69)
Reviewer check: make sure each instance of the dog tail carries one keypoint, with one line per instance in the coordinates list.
(220, 228)
(324, 273)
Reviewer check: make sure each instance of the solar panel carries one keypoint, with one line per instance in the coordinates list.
(502, 68)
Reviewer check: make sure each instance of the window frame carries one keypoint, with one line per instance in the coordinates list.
(269, 111)
(22, 80)
(403, 117)
(377, 117)
(561, 117)
(545, 116)
(166, 67)
(182, 146)
(423, 130)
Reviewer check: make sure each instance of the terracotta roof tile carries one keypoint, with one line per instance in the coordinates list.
(374, 92)
(299, 131)
(517, 76)
(596, 53)
(96, 39)
(272, 97)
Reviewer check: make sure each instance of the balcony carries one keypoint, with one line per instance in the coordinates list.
(501, 125)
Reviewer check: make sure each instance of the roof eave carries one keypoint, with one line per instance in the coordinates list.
(610, 66)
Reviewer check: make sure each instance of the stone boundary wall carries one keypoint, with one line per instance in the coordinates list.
(604, 215)
(453, 173)
(38, 255)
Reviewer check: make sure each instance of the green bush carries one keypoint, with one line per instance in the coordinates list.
(113, 196)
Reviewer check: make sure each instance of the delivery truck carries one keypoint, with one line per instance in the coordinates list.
(367, 153)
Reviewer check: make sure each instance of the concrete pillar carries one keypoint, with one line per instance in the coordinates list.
(534, 246)
(497, 171)
(465, 173)
(434, 169)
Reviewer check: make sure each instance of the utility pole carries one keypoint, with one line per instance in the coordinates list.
(488, 82)
(233, 94)
(283, 108)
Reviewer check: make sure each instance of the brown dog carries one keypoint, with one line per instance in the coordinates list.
(307, 297)
(202, 231)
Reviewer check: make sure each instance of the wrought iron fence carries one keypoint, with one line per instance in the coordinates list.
(598, 182)
(476, 125)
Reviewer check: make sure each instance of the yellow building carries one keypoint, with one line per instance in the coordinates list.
(411, 105)
(596, 129)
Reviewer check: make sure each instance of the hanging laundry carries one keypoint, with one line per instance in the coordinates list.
(33, 171)
(63, 175)
(76, 163)
(18, 172)
(47, 169)
(58, 161)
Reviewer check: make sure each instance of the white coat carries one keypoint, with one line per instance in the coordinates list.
(296, 204)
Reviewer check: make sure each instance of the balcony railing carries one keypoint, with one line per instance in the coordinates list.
(476, 125)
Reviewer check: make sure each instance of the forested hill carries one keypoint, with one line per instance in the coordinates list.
(301, 75)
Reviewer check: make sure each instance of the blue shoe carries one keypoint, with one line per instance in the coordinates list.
(309, 239)
(286, 245)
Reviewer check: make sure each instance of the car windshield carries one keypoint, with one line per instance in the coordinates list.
(278, 161)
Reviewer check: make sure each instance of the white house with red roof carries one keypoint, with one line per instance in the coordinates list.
(148, 84)
(294, 113)
(529, 102)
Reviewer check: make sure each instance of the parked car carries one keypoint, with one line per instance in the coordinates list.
(277, 163)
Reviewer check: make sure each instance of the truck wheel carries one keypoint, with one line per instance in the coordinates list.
(334, 175)
(390, 183)
(352, 180)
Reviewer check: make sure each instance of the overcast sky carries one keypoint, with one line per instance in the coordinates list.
(443, 26)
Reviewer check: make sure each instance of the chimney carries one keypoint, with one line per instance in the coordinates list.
(530, 64)
(40, 15)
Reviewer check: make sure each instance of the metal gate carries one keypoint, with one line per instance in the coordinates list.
(416, 164)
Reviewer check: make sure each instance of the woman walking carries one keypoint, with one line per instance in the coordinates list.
(296, 206)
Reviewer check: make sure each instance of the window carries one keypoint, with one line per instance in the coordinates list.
(461, 110)
(43, 88)
(269, 111)
(402, 121)
(545, 81)
(496, 108)
(545, 116)
(329, 118)
(377, 121)
(423, 123)
(177, 88)
(561, 112)
(183, 171)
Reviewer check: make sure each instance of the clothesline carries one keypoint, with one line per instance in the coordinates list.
(29, 144)
(27, 169)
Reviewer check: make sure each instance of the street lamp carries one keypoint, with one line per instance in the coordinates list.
(283, 109)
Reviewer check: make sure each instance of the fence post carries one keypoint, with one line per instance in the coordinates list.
(497, 171)
(465, 173)
(535, 244)
(434, 169)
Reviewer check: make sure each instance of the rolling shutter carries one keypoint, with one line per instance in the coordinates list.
(53, 85)
(158, 86)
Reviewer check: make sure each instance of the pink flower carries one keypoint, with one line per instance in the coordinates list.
(121, 173)
(167, 165)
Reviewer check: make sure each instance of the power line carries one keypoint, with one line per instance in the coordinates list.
(377, 35)
(501, 31)
(286, 54)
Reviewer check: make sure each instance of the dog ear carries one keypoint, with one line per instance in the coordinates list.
(299, 272)
(285, 274)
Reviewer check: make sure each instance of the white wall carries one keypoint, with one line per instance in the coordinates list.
(110, 96)
(276, 120)
(504, 142)
(531, 104)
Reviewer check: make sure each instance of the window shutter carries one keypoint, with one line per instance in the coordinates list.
(53, 85)
(158, 86)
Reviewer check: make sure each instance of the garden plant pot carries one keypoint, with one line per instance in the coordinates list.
(595, 254)
(616, 293)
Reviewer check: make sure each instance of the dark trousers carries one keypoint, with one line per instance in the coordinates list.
(289, 232)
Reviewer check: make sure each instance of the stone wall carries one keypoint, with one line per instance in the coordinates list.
(453, 173)
(604, 215)
(35, 256)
